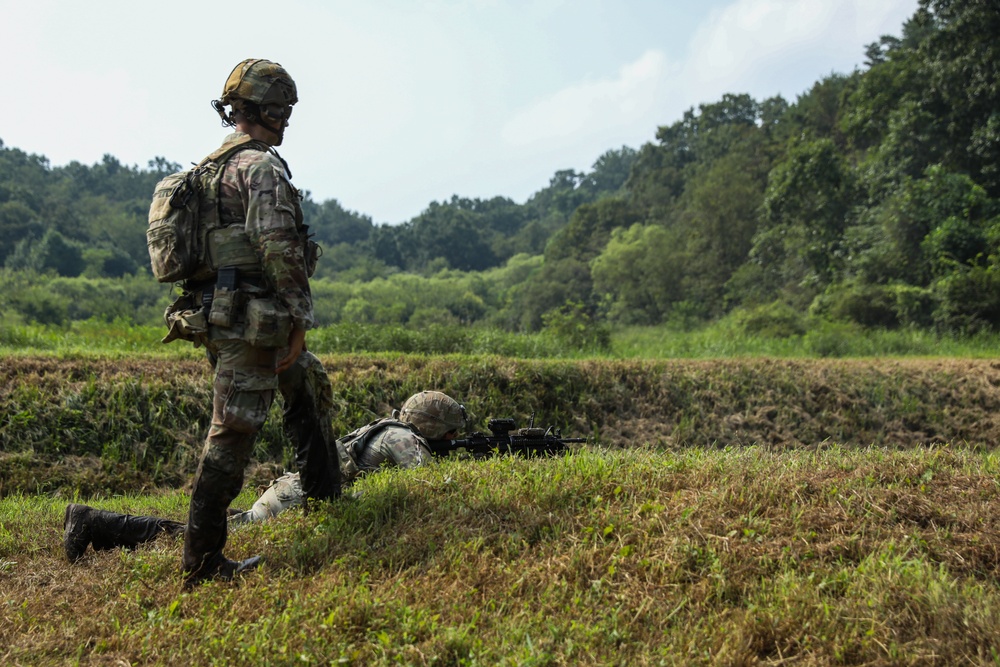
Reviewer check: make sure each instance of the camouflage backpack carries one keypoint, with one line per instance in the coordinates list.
(184, 210)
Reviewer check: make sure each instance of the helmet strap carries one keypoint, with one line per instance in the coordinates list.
(254, 114)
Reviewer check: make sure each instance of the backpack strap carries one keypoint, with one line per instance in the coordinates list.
(223, 153)
(219, 158)
(357, 441)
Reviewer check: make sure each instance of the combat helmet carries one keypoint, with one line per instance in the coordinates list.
(262, 90)
(433, 413)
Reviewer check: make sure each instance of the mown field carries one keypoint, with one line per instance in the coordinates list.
(745, 511)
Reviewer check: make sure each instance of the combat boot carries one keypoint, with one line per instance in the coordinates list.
(223, 570)
(84, 526)
(76, 532)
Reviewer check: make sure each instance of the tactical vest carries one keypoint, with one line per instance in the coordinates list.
(226, 242)
(351, 446)
(206, 232)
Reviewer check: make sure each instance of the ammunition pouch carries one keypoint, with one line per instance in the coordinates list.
(231, 247)
(225, 306)
(268, 323)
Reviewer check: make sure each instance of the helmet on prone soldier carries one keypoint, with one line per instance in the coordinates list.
(434, 414)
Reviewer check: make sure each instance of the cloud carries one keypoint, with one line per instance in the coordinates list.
(406, 102)
(592, 108)
(760, 47)
(769, 47)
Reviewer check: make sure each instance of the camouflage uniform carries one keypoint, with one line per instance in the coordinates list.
(255, 195)
(399, 441)
(395, 444)
(283, 493)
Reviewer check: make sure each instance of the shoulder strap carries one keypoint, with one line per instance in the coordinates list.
(358, 439)
(223, 153)
(219, 158)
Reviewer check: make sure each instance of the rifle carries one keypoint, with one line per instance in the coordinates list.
(506, 438)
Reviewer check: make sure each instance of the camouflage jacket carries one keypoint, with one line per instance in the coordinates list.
(382, 442)
(255, 191)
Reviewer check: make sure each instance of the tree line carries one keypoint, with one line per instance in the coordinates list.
(874, 198)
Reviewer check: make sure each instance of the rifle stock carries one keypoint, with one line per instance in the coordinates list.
(506, 438)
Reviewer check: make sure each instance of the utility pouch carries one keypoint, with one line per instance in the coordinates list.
(223, 312)
(225, 299)
(268, 324)
(348, 468)
(184, 322)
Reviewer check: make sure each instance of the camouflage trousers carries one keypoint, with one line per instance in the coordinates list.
(244, 388)
(283, 493)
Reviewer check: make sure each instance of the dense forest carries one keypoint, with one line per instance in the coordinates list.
(873, 198)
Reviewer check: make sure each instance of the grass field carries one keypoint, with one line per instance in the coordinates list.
(704, 556)
(723, 339)
(741, 511)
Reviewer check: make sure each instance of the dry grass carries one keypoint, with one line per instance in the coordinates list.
(90, 425)
(745, 556)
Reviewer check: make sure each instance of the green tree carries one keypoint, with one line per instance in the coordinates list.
(17, 222)
(716, 221)
(639, 274)
(547, 288)
(589, 229)
(803, 216)
(50, 253)
(901, 242)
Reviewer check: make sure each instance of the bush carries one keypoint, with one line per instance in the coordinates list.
(867, 305)
(968, 301)
(40, 304)
(832, 339)
(775, 320)
(573, 327)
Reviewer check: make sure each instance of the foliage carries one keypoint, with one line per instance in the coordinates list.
(638, 274)
(880, 184)
(79, 422)
(47, 298)
(774, 320)
(574, 328)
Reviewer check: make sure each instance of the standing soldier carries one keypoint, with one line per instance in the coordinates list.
(261, 309)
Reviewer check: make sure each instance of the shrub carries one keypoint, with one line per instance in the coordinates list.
(867, 305)
(831, 339)
(572, 326)
(775, 320)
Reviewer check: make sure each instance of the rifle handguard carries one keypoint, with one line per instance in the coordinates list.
(506, 438)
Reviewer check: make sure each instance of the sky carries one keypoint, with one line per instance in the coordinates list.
(405, 102)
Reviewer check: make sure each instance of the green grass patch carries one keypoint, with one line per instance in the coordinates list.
(728, 338)
(825, 340)
(641, 557)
